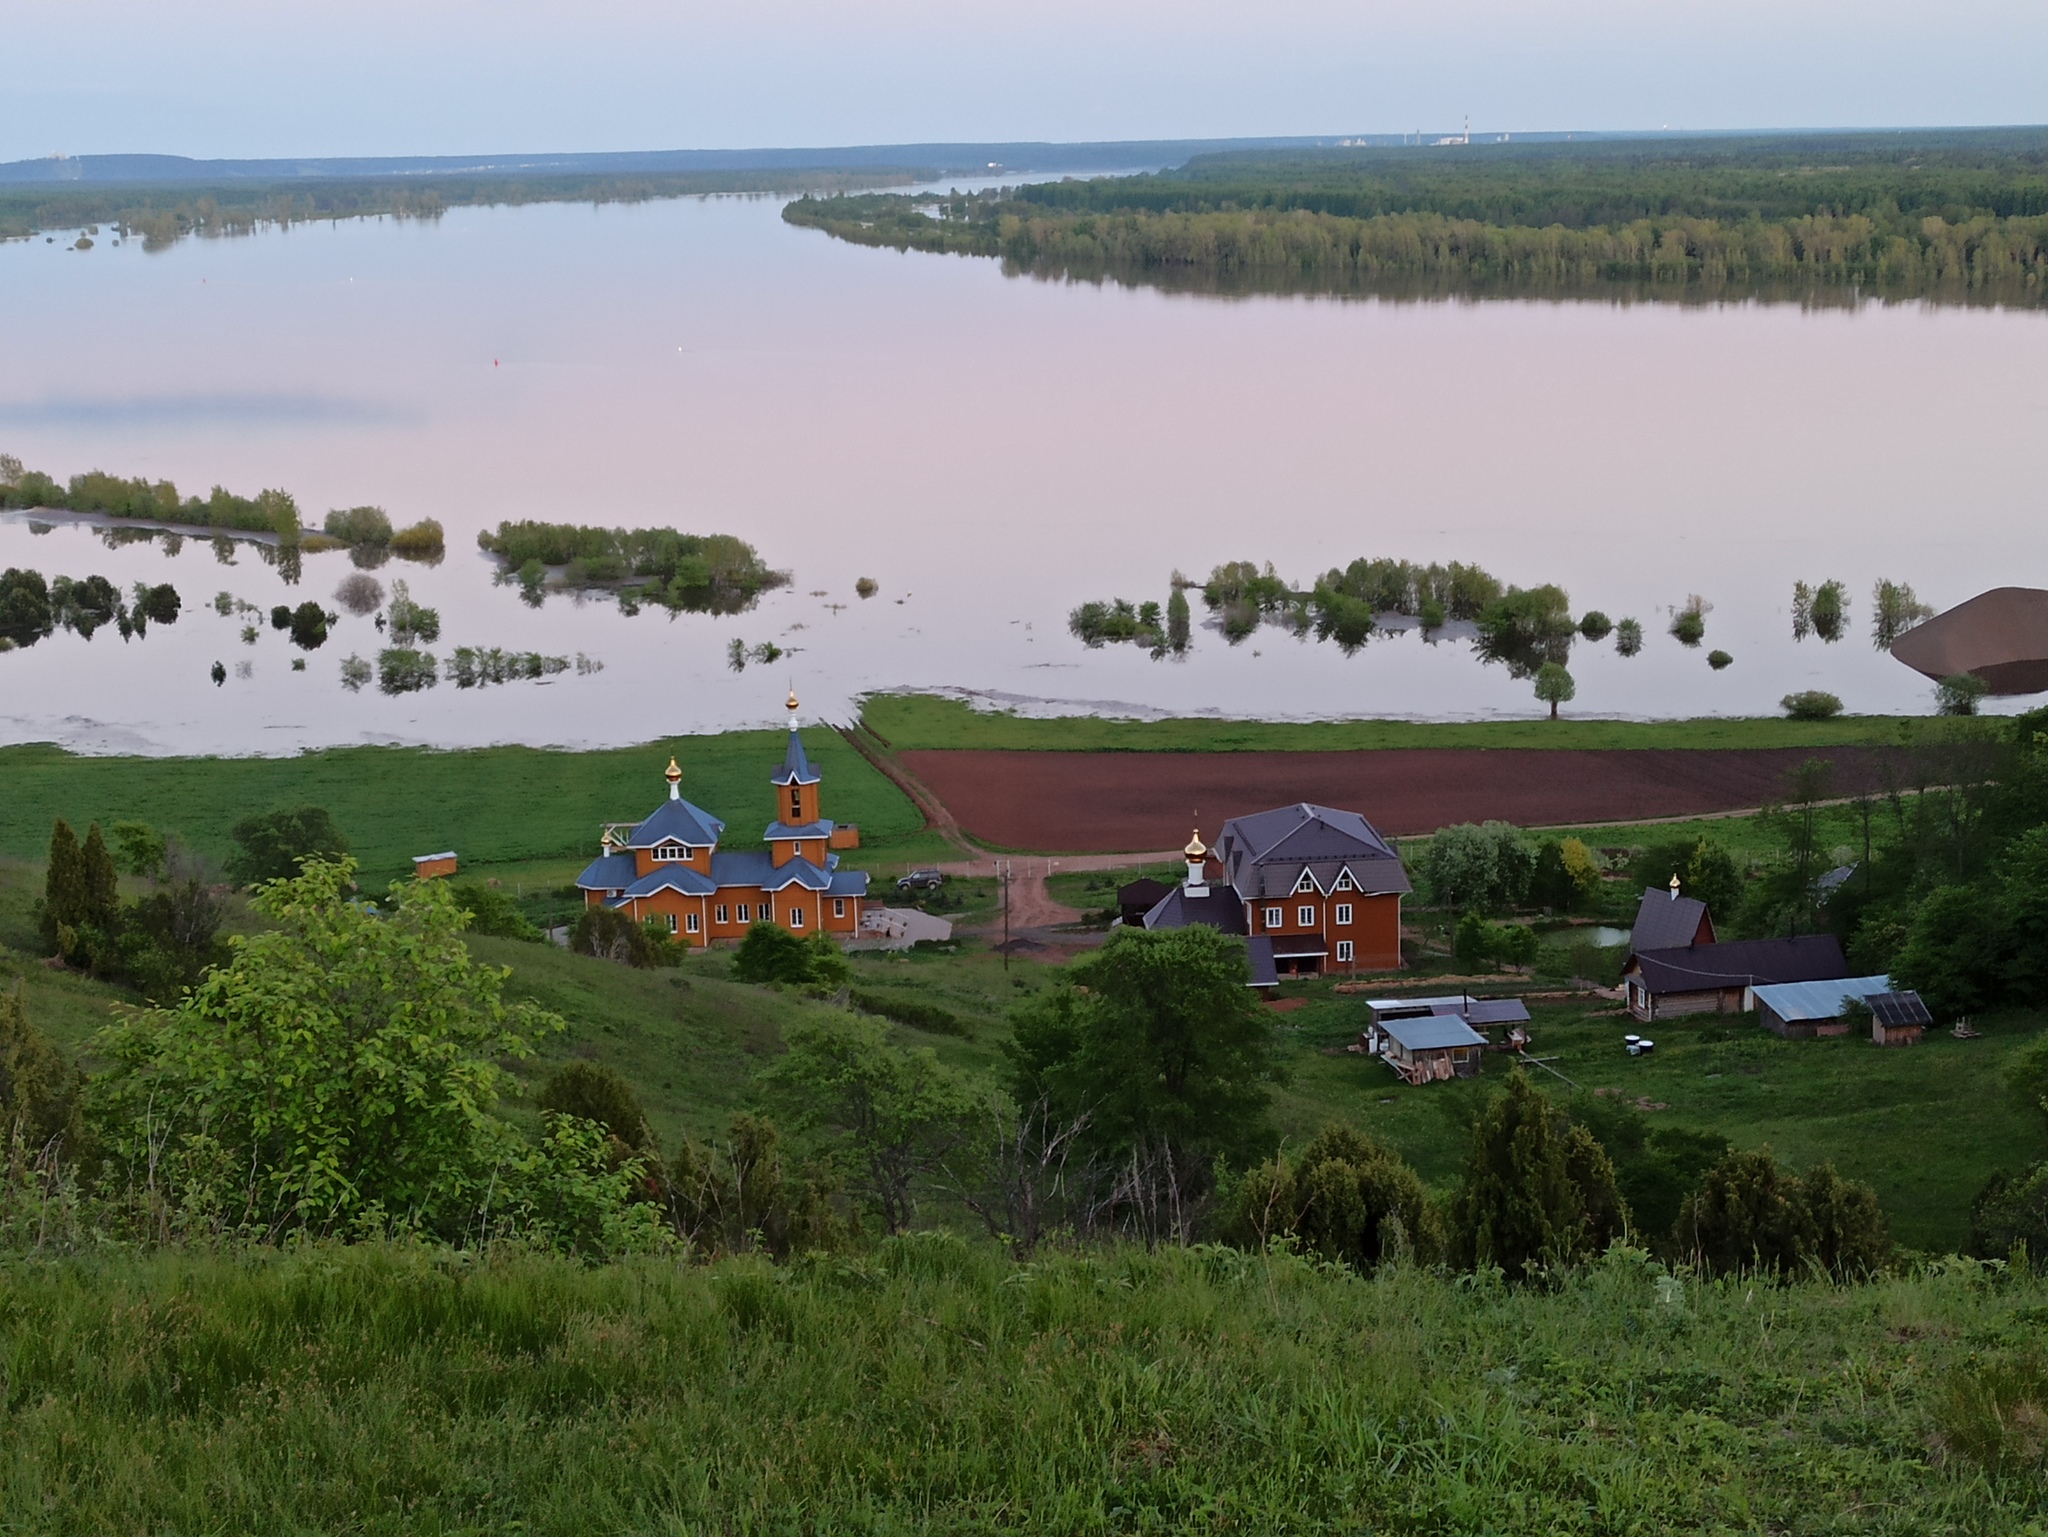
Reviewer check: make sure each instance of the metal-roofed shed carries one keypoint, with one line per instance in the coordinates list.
(1426, 1048)
(1898, 1019)
(1798, 1010)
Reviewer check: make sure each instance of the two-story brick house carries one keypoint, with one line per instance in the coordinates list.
(669, 867)
(1312, 889)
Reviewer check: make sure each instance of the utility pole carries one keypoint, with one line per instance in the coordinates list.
(1003, 874)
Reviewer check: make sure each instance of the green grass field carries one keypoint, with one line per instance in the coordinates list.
(933, 1387)
(913, 721)
(497, 807)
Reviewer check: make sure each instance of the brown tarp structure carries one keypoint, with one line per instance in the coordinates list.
(2001, 636)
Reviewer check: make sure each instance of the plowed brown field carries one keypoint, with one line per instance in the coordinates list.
(1059, 802)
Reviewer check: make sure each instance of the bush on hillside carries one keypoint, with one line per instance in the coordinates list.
(600, 1094)
(1347, 1196)
(771, 953)
(611, 935)
(1750, 1216)
(2010, 1214)
(42, 1096)
(493, 912)
(914, 1012)
(1538, 1191)
(745, 1194)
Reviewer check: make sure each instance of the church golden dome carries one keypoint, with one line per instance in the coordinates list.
(673, 773)
(1195, 849)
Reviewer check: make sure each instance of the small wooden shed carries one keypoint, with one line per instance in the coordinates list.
(1430, 1047)
(427, 867)
(1898, 1019)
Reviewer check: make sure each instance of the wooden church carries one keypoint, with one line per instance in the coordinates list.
(669, 867)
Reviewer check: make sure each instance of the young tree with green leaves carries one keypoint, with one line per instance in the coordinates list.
(271, 844)
(1159, 1041)
(1554, 686)
(1538, 1191)
(340, 1074)
(885, 1118)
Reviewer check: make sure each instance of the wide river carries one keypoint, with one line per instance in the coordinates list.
(991, 451)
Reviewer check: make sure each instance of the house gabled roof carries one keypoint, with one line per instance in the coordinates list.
(1266, 854)
(1739, 963)
(796, 765)
(1664, 921)
(677, 821)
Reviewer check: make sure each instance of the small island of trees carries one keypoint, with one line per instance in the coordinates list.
(683, 573)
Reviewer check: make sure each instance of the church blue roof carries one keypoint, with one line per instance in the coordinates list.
(848, 883)
(822, 828)
(677, 821)
(796, 766)
(690, 883)
(754, 868)
(608, 872)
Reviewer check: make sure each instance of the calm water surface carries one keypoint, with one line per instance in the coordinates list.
(992, 451)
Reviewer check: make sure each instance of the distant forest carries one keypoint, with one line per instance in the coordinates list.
(159, 215)
(1959, 216)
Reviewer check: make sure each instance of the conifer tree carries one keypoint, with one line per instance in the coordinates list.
(99, 882)
(63, 887)
(1539, 1191)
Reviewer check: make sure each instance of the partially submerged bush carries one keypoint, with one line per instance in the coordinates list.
(1628, 637)
(358, 525)
(1689, 624)
(402, 670)
(1960, 694)
(423, 541)
(1719, 660)
(1595, 625)
(1811, 704)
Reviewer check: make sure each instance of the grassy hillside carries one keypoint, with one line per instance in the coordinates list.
(909, 721)
(495, 806)
(930, 1387)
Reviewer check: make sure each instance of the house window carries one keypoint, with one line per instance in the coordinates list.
(839, 907)
(1305, 916)
(1343, 913)
(1344, 880)
(1275, 917)
(723, 914)
(1343, 949)
(745, 915)
(690, 922)
(1306, 883)
(796, 917)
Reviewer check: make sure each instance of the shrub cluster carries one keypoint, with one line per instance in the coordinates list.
(700, 573)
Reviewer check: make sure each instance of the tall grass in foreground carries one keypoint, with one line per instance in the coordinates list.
(936, 1387)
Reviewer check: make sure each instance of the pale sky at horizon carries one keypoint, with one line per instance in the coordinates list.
(243, 78)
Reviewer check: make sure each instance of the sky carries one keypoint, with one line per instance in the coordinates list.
(315, 77)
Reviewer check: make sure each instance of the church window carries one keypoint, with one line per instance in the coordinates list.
(745, 915)
(796, 917)
(670, 851)
(796, 803)
(723, 914)
(671, 917)
(690, 923)
(839, 907)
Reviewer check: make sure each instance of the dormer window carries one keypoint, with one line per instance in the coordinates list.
(1344, 880)
(666, 853)
(1306, 883)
